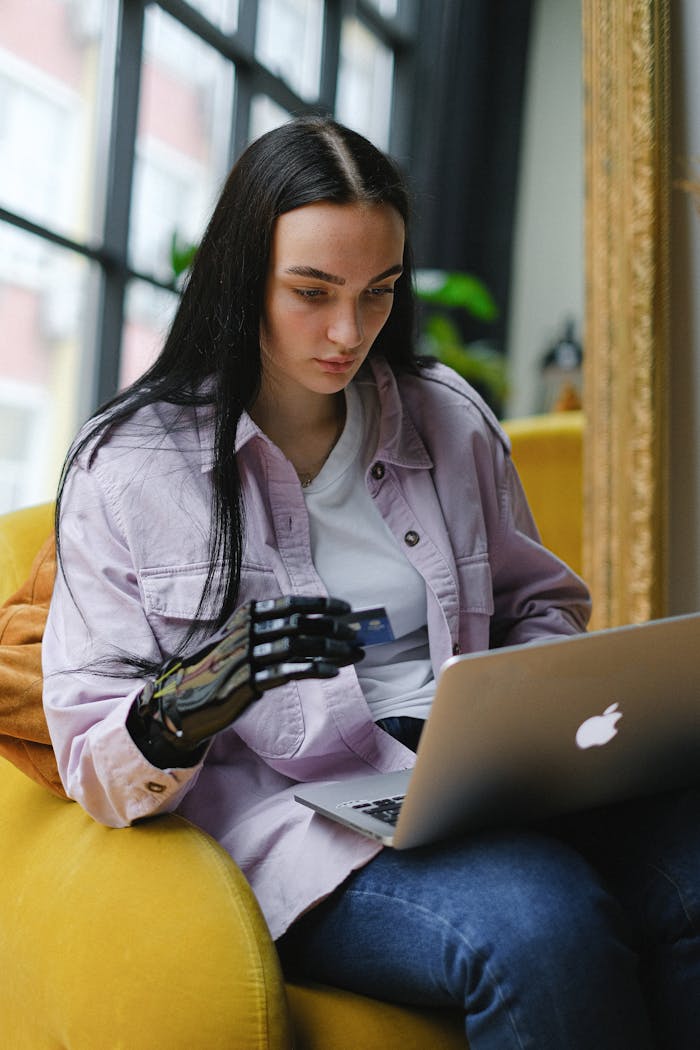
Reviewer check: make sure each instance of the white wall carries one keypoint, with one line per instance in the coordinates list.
(684, 553)
(547, 280)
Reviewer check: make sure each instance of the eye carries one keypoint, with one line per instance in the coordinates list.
(377, 293)
(309, 293)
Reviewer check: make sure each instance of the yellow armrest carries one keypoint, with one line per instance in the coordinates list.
(137, 938)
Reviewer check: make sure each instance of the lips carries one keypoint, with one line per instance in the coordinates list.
(335, 365)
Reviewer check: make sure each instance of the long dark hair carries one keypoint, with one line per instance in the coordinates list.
(215, 332)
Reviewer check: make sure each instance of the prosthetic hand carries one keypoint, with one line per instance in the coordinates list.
(262, 645)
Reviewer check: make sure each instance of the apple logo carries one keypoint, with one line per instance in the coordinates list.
(600, 729)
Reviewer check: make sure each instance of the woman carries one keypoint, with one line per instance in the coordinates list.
(288, 442)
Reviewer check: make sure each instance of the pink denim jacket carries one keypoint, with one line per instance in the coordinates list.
(134, 538)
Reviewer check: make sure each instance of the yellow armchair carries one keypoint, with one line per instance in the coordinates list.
(548, 452)
(150, 936)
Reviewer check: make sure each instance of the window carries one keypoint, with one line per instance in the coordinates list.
(38, 124)
(223, 13)
(52, 86)
(364, 82)
(265, 115)
(182, 140)
(148, 312)
(288, 41)
(106, 173)
(22, 440)
(46, 297)
(52, 94)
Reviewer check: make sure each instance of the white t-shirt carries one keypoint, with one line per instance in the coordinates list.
(359, 560)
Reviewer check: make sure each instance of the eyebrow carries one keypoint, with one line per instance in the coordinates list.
(331, 278)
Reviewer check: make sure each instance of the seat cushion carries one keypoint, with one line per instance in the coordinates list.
(326, 1018)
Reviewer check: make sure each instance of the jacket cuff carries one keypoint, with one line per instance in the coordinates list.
(156, 744)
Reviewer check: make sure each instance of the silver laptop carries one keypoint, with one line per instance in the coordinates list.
(532, 731)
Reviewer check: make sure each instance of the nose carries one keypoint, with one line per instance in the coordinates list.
(345, 329)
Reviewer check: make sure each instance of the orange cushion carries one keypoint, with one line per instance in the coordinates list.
(24, 736)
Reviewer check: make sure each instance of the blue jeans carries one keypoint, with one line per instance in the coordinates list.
(580, 933)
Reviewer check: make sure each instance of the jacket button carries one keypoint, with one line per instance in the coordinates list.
(411, 538)
(378, 471)
(155, 787)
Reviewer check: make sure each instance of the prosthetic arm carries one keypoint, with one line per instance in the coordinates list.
(264, 644)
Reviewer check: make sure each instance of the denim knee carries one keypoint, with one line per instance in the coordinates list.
(547, 907)
(514, 928)
(539, 942)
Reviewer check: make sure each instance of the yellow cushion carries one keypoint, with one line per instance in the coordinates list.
(21, 535)
(548, 452)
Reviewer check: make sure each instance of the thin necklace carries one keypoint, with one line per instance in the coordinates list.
(307, 476)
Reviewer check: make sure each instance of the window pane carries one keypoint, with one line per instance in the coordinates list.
(46, 294)
(288, 41)
(147, 316)
(182, 144)
(364, 83)
(388, 8)
(265, 115)
(223, 13)
(52, 74)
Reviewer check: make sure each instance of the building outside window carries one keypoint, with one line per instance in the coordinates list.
(102, 172)
(52, 72)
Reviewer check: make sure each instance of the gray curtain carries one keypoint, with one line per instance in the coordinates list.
(466, 130)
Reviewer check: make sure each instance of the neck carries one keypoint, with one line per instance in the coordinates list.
(305, 430)
(289, 418)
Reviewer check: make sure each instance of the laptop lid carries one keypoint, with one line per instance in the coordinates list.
(531, 731)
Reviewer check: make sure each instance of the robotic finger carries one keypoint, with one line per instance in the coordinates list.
(275, 608)
(336, 651)
(278, 674)
(298, 624)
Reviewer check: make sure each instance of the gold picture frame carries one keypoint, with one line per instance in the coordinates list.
(626, 118)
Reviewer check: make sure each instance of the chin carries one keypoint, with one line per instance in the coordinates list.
(333, 384)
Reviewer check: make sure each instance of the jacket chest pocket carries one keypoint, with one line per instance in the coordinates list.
(171, 601)
(172, 594)
(274, 726)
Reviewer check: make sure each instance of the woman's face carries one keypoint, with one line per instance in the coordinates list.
(329, 291)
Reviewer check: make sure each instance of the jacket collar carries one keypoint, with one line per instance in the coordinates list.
(399, 441)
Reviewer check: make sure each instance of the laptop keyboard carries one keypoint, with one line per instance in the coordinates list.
(386, 809)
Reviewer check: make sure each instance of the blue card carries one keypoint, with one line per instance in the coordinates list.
(372, 625)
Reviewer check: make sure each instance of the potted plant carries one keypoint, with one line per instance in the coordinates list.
(444, 294)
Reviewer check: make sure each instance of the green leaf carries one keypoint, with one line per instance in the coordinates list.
(478, 364)
(457, 289)
(442, 330)
(181, 254)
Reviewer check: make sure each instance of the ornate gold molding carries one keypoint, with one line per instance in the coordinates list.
(626, 84)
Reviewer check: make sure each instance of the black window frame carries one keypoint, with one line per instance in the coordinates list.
(110, 250)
